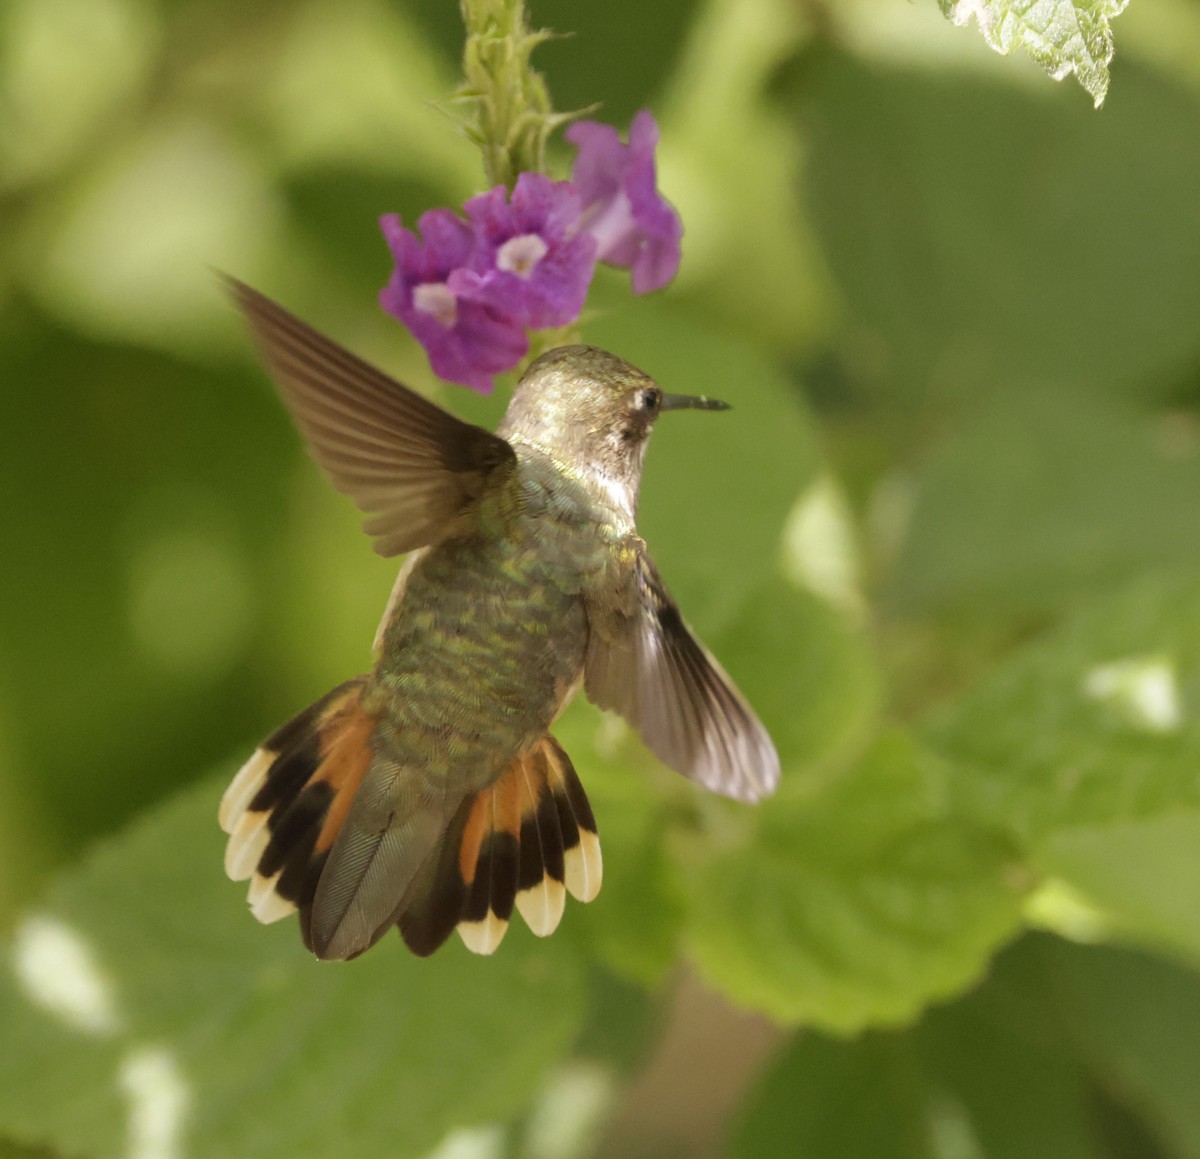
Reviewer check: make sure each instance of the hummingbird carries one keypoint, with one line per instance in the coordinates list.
(429, 793)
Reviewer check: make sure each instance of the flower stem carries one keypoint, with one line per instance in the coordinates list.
(512, 115)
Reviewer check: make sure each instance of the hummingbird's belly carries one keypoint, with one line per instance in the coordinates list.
(481, 654)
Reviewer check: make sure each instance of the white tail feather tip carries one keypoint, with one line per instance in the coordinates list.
(584, 867)
(483, 937)
(270, 907)
(246, 845)
(243, 787)
(542, 906)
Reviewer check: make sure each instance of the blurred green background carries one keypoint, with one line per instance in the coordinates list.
(946, 541)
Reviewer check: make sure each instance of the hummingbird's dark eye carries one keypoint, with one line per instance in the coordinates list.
(649, 400)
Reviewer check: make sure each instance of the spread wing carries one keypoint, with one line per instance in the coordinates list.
(646, 665)
(414, 469)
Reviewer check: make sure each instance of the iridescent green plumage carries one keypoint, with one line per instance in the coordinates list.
(528, 578)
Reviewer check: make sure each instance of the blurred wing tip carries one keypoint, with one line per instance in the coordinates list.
(674, 692)
(765, 760)
(242, 295)
(755, 779)
(769, 784)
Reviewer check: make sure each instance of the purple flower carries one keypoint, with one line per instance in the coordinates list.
(532, 263)
(633, 224)
(468, 289)
(467, 341)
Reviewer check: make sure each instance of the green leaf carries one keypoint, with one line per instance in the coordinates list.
(621, 1023)
(1064, 37)
(1144, 874)
(1060, 1046)
(354, 85)
(999, 1077)
(831, 1098)
(858, 906)
(579, 62)
(144, 998)
(972, 257)
(1136, 1019)
(174, 498)
(1041, 496)
(1085, 745)
(1095, 724)
(978, 1077)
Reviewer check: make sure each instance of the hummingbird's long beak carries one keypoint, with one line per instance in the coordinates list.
(691, 402)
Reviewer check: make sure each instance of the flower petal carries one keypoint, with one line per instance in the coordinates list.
(543, 215)
(467, 342)
(635, 227)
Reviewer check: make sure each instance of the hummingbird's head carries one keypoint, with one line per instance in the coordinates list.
(593, 410)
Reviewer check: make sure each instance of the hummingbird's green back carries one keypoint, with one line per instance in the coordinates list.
(487, 642)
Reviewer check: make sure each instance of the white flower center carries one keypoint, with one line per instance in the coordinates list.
(438, 299)
(520, 255)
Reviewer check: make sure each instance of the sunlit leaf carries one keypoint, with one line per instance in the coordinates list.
(1144, 874)
(60, 91)
(1063, 36)
(354, 84)
(858, 906)
(135, 241)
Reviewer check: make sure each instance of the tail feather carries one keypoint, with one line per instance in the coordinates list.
(541, 894)
(582, 864)
(522, 843)
(489, 863)
(377, 856)
(244, 786)
(309, 841)
(428, 914)
(278, 809)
